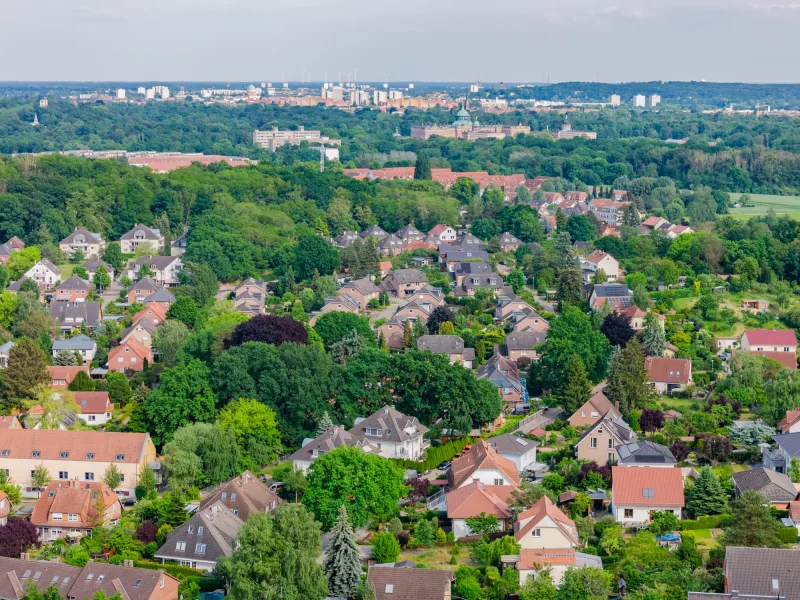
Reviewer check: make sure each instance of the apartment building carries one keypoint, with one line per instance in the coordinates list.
(140, 235)
(272, 139)
(86, 242)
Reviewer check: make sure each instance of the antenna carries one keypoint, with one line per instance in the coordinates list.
(385, 80)
(303, 75)
(355, 77)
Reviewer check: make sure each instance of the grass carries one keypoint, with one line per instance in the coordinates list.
(727, 470)
(66, 270)
(437, 557)
(782, 205)
(705, 541)
(681, 303)
(679, 404)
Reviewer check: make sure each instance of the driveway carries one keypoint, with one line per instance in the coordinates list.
(388, 312)
(543, 420)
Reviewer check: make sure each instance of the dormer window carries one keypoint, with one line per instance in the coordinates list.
(64, 455)
(89, 455)
(120, 457)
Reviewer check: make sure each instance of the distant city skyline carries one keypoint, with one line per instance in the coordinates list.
(444, 41)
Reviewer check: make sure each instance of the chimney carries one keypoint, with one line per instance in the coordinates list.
(616, 404)
(127, 563)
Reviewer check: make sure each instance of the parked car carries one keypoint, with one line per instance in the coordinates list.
(274, 487)
(443, 466)
(466, 449)
(521, 409)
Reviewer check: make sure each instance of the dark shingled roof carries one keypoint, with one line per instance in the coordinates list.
(761, 570)
(645, 452)
(774, 486)
(409, 584)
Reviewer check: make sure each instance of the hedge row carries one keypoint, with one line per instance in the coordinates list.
(788, 535)
(707, 522)
(173, 569)
(436, 455)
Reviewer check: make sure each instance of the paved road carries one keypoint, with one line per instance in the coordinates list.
(388, 312)
(542, 421)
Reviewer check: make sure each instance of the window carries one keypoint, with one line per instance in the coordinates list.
(100, 578)
(583, 413)
(191, 529)
(610, 444)
(57, 517)
(138, 583)
(64, 455)
(63, 475)
(88, 476)
(374, 431)
(89, 455)
(611, 457)
(120, 457)
(200, 530)
(180, 546)
(200, 548)
(92, 418)
(224, 495)
(498, 482)
(233, 496)
(73, 516)
(5, 452)
(36, 454)
(235, 511)
(593, 442)
(628, 513)
(594, 414)
(536, 533)
(648, 493)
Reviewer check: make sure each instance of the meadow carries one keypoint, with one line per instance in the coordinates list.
(788, 205)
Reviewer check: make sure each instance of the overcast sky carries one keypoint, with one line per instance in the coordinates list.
(412, 40)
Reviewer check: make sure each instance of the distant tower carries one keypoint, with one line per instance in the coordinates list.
(35, 120)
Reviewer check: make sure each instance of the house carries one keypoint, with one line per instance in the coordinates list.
(346, 238)
(127, 581)
(178, 246)
(95, 408)
(507, 304)
(528, 319)
(93, 264)
(450, 345)
(81, 344)
(668, 375)
(451, 257)
(428, 295)
(142, 289)
(70, 509)
(483, 464)
(391, 245)
(73, 315)
(519, 450)
(331, 439)
(644, 454)
(5, 253)
(393, 433)
(637, 317)
(610, 212)
(154, 314)
(475, 499)
(361, 291)
(777, 344)
(750, 573)
(165, 269)
(545, 526)
(384, 267)
(509, 243)
(615, 295)
(44, 273)
(414, 311)
(598, 443)
(249, 296)
(504, 374)
(672, 415)
(775, 487)
(556, 561)
(163, 297)
(404, 282)
(637, 493)
(463, 270)
(81, 455)
(593, 410)
(243, 495)
(209, 534)
(15, 243)
(63, 376)
(677, 230)
(142, 332)
(653, 223)
(443, 233)
(342, 303)
(139, 236)
(91, 245)
(392, 331)
(129, 356)
(465, 243)
(596, 261)
(791, 422)
(391, 583)
(373, 232)
(73, 289)
(409, 233)
(521, 345)
(755, 306)
(9, 422)
(5, 351)
(472, 283)
(780, 459)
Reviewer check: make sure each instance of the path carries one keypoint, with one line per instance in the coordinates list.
(388, 312)
(542, 421)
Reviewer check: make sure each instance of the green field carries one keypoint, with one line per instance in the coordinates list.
(782, 205)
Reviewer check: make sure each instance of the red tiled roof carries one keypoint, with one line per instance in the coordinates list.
(481, 456)
(162, 164)
(651, 221)
(159, 311)
(66, 373)
(93, 402)
(538, 432)
(71, 497)
(790, 419)
(476, 498)
(140, 350)
(787, 359)
(52, 443)
(544, 507)
(529, 559)
(771, 337)
(668, 370)
(597, 256)
(629, 486)
(437, 229)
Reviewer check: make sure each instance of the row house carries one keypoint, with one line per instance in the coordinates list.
(141, 235)
(165, 269)
(72, 509)
(71, 316)
(89, 244)
(451, 346)
(73, 289)
(403, 283)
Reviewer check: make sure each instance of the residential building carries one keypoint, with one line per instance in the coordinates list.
(129, 356)
(5, 253)
(5, 351)
(209, 534)
(791, 422)
(83, 345)
(94, 408)
(568, 133)
(63, 376)
(655, 223)
(637, 493)
(165, 269)
(677, 230)
(775, 487)
(777, 344)
(331, 439)
(91, 245)
(755, 306)
(519, 450)
(428, 295)
(403, 283)
(610, 212)
(616, 295)
(645, 454)
(475, 499)
(637, 317)
(373, 231)
(780, 459)
(472, 283)
(155, 315)
(391, 583)
(342, 303)
(250, 296)
(81, 455)
(508, 242)
(70, 509)
(598, 443)
(72, 315)
(243, 495)
(528, 319)
(450, 345)
(639, 101)
(614, 100)
(9, 422)
(93, 264)
(5, 509)
(272, 139)
(521, 345)
(466, 242)
(443, 233)
(178, 246)
(556, 561)
(750, 573)
(344, 239)
(142, 289)
(409, 233)
(463, 270)
(44, 273)
(504, 374)
(483, 464)
(142, 332)
(15, 243)
(653, 100)
(139, 236)
(594, 409)
(451, 257)
(545, 526)
(393, 433)
(599, 260)
(414, 311)
(110, 580)
(361, 291)
(668, 375)
(162, 297)
(73, 289)
(392, 331)
(391, 245)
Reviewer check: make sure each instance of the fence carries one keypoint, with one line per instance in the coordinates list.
(529, 419)
(434, 500)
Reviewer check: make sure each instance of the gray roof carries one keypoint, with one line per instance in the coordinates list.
(6, 348)
(93, 264)
(618, 428)
(501, 372)
(161, 295)
(50, 266)
(391, 241)
(441, 344)
(762, 570)
(5, 250)
(363, 286)
(159, 262)
(789, 443)
(395, 425)
(214, 527)
(408, 276)
(774, 486)
(244, 494)
(451, 255)
(525, 340)
(74, 283)
(468, 241)
(611, 290)
(88, 236)
(734, 596)
(86, 312)
(373, 231)
(645, 452)
(143, 230)
(409, 231)
(512, 444)
(473, 268)
(78, 342)
(331, 439)
(346, 238)
(507, 238)
(146, 284)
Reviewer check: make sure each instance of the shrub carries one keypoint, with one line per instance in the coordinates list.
(706, 522)
(788, 535)
(385, 547)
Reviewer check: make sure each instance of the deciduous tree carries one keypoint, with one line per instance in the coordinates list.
(270, 330)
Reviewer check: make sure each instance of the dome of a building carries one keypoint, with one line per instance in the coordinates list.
(251, 87)
(463, 113)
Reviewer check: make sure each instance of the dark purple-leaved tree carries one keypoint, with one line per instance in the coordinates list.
(270, 330)
(651, 420)
(17, 536)
(617, 328)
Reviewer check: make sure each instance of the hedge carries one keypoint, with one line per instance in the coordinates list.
(175, 570)
(436, 455)
(706, 522)
(788, 535)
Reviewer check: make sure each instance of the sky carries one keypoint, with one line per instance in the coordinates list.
(412, 40)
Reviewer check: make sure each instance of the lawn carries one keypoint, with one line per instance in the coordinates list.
(437, 557)
(679, 404)
(66, 270)
(681, 303)
(788, 205)
(705, 541)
